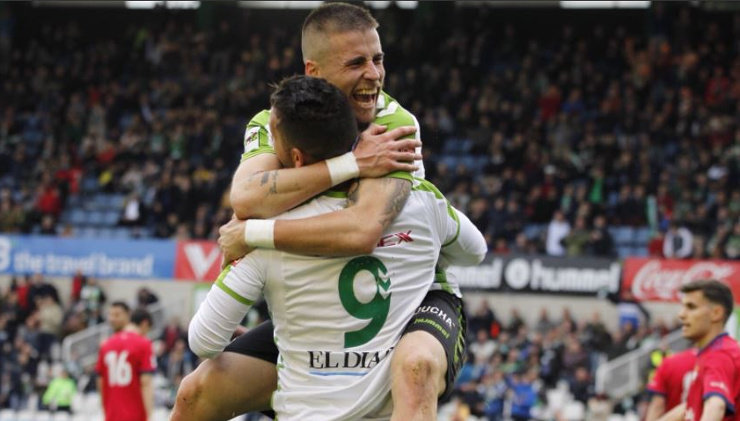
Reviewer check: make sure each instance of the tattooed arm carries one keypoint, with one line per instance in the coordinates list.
(373, 204)
(261, 188)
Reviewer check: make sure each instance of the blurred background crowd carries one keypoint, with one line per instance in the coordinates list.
(547, 138)
(609, 137)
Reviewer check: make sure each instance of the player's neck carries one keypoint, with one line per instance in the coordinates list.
(709, 337)
(132, 328)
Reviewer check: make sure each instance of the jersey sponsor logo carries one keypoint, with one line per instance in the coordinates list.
(197, 260)
(439, 313)
(347, 360)
(395, 239)
(251, 138)
(719, 385)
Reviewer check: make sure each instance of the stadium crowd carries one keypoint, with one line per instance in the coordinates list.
(611, 126)
(33, 321)
(572, 131)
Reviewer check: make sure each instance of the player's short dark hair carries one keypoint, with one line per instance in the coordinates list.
(141, 315)
(122, 305)
(333, 18)
(314, 116)
(714, 291)
(339, 17)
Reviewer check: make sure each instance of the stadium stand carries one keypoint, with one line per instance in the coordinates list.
(132, 129)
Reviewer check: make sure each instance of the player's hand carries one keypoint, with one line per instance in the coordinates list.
(379, 152)
(231, 241)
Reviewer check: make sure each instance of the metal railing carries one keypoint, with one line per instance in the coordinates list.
(626, 374)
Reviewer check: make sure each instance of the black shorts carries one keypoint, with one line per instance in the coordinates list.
(256, 342)
(440, 314)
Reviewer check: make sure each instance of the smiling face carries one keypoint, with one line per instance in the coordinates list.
(353, 62)
(701, 319)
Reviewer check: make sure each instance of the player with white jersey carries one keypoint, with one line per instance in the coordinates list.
(340, 43)
(337, 320)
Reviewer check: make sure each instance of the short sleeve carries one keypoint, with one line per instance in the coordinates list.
(147, 364)
(718, 379)
(657, 384)
(257, 136)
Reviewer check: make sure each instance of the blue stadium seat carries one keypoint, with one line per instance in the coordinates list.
(624, 251)
(639, 252)
(95, 218)
(110, 218)
(78, 217)
(115, 201)
(122, 233)
(534, 230)
(642, 236)
(88, 232)
(622, 235)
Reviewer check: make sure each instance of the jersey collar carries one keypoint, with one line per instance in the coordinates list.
(712, 342)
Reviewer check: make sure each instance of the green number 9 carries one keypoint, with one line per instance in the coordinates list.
(376, 310)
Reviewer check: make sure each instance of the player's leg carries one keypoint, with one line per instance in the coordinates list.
(239, 380)
(428, 357)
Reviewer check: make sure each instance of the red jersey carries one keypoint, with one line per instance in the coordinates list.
(675, 370)
(122, 359)
(717, 373)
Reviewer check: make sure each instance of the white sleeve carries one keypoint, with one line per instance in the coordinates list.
(467, 247)
(229, 299)
(420, 172)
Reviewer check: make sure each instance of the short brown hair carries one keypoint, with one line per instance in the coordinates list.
(334, 17)
(714, 291)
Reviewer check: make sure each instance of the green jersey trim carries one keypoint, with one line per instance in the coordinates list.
(424, 185)
(440, 277)
(220, 283)
(256, 136)
(335, 194)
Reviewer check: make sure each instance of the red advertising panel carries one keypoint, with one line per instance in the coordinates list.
(661, 279)
(197, 261)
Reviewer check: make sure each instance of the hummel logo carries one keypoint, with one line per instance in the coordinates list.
(395, 239)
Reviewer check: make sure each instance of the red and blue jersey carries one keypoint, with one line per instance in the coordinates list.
(675, 370)
(717, 373)
(123, 358)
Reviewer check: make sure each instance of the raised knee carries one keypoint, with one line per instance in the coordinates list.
(190, 388)
(420, 365)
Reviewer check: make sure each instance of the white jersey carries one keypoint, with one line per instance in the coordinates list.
(389, 113)
(337, 320)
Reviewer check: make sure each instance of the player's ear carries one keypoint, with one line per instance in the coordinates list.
(297, 157)
(311, 68)
(717, 313)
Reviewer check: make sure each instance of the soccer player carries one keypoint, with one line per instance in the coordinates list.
(340, 44)
(337, 320)
(674, 370)
(125, 366)
(714, 392)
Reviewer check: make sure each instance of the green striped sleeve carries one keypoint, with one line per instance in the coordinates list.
(220, 283)
(424, 185)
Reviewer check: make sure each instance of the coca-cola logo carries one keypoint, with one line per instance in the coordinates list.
(653, 281)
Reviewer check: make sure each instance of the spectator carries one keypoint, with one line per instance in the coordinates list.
(576, 240)
(677, 242)
(557, 230)
(600, 242)
(60, 393)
